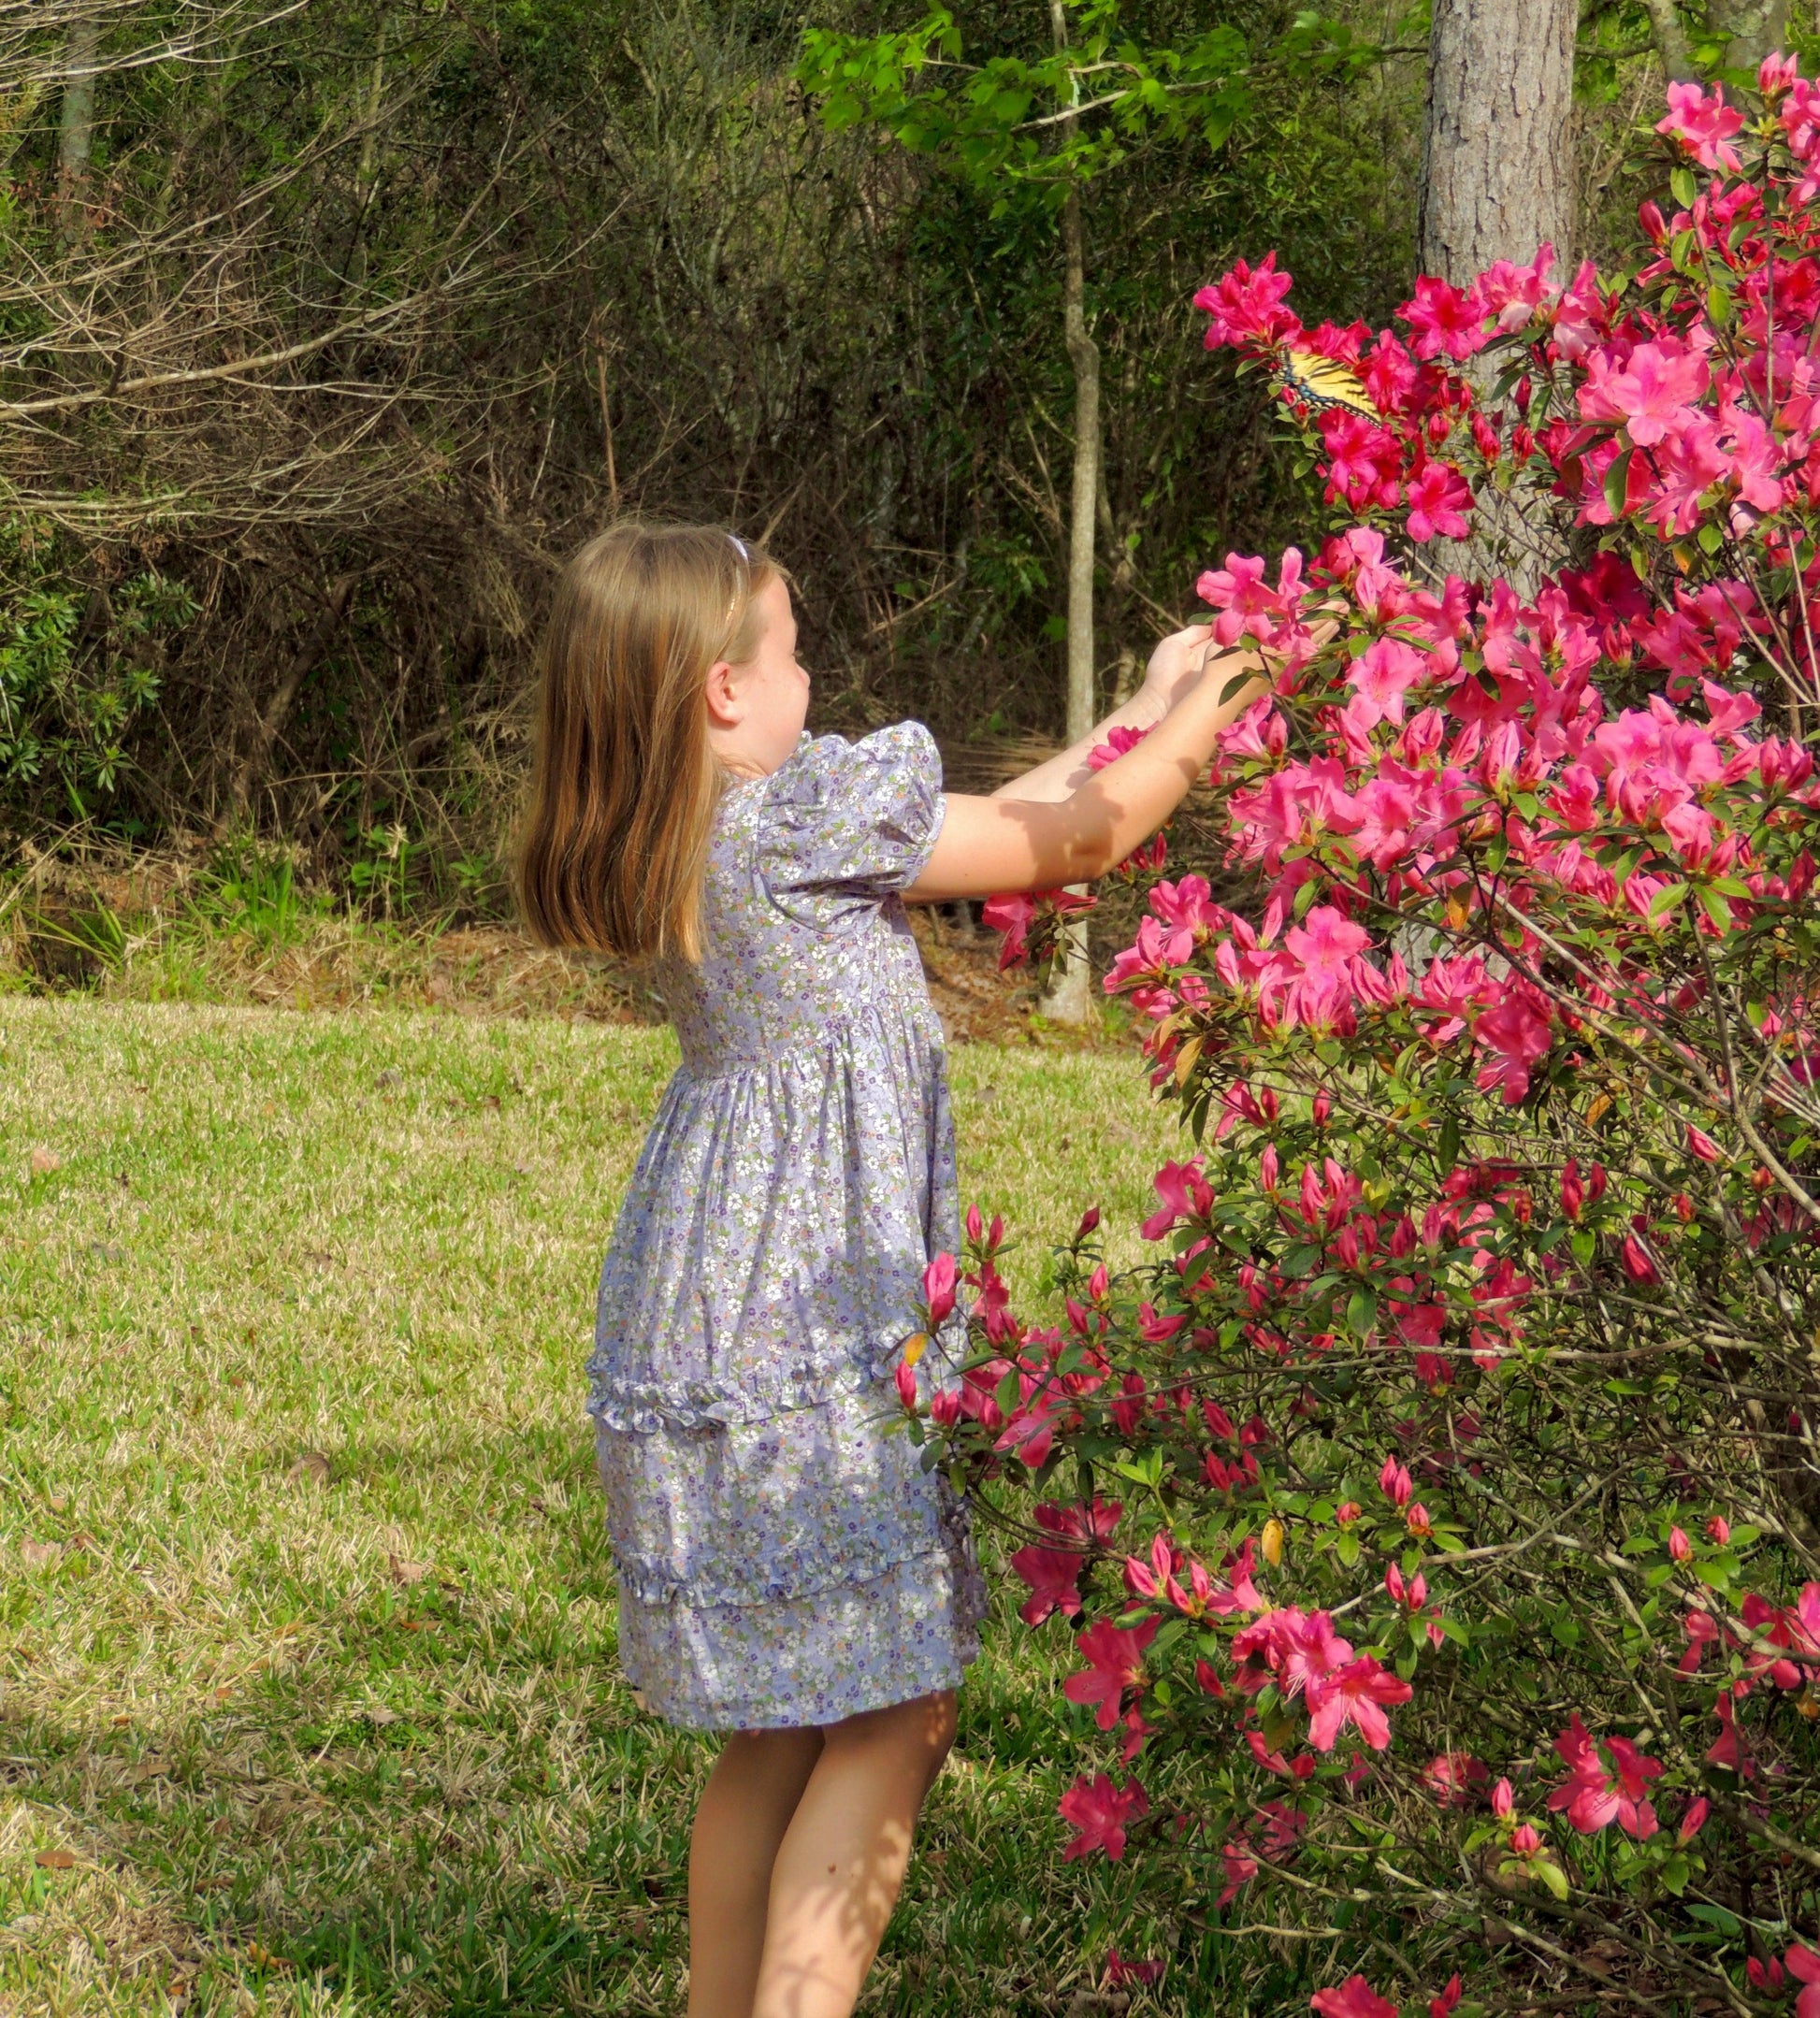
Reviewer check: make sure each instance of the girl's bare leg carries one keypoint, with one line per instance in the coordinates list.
(745, 1809)
(837, 1872)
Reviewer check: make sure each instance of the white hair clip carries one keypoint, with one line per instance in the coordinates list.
(740, 548)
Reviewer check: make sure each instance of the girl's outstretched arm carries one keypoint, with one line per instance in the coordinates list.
(1175, 664)
(1003, 843)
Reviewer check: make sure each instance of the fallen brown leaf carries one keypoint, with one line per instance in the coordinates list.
(43, 1161)
(55, 1860)
(377, 1714)
(312, 1467)
(41, 1554)
(406, 1573)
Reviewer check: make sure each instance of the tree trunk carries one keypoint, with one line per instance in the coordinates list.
(1671, 41)
(1498, 182)
(76, 122)
(1068, 999)
(1755, 27)
(250, 775)
(1497, 164)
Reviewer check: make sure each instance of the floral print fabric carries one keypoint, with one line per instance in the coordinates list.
(783, 1560)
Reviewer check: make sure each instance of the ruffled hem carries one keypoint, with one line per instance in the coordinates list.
(821, 1374)
(810, 1662)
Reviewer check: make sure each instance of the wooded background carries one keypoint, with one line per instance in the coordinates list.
(329, 328)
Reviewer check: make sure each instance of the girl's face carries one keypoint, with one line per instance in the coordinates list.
(756, 711)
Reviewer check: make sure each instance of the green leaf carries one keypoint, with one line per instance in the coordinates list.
(1446, 1148)
(1552, 1875)
(1715, 907)
(1360, 1312)
(1347, 1548)
(1667, 899)
(1685, 189)
(1617, 480)
(1716, 1917)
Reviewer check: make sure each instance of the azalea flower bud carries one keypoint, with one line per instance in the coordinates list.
(1679, 1547)
(1323, 1108)
(905, 1379)
(1348, 1512)
(1694, 1821)
(976, 1225)
(945, 1409)
(1501, 1799)
(939, 1279)
(1089, 1221)
(1595, 1183)
(1573, 1190)
(1702, 1145)
(1683, 1207)
(1719, 1528)
(1522, 393)
(1416, 1519)
(1637, 1265)
(1395, 1482)
(1525, 1841)
(1650, 217)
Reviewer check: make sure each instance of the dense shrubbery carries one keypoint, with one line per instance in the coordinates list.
(1435, 1518)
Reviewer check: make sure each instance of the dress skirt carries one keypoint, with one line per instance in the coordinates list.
(783, 1560)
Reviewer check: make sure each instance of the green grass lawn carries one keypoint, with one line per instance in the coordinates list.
(307, 1661)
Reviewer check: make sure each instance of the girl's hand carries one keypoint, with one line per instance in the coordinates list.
(1175, 663)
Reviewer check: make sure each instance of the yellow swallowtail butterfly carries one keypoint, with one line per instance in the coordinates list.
(1321, 382)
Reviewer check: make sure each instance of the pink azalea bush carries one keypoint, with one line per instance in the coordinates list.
(1436, 1519)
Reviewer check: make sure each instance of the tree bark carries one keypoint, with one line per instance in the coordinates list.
(250, 775)
(1671, 41)
(76, 122)
(1068, 998)
(1497, 165)
(1755, 27)
(1498, 182)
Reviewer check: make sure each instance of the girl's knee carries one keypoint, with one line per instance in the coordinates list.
(925, 1728)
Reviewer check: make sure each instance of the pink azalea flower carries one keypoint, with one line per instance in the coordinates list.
(1803, 1963)
(1053, 1575)
(1384, 673)
(1100, 1811)
(1246, 306)
(1704, 125)
(1518, 1034)
(1354, 1999)
(1438, 500)
(1114, 1656)
(1652, 392)
(1593, 1795)
(1356, 1695)
(1444, 319)
(1689, 463)
(1513, 293)
(1184, 1194)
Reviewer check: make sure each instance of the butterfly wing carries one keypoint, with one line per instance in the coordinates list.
(1321, 384)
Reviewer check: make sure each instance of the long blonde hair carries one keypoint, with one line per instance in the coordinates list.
(625, 786)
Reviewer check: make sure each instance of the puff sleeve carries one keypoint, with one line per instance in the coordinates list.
(846, 824)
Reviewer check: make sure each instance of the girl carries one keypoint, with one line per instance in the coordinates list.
(787, 1572)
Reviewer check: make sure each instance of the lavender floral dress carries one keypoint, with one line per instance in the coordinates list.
(782, 1560)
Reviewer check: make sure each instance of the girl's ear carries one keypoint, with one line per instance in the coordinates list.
(725, 708)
